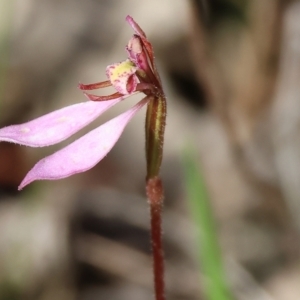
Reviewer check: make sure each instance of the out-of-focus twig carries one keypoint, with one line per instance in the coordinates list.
(286, 112)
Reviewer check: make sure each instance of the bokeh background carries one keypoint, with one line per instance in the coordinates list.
(231, 72)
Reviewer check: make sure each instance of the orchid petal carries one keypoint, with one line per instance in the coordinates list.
(146, 44)
(138, 55)
(55, 126)
(85, 152)
(120, 74)
(138, 30)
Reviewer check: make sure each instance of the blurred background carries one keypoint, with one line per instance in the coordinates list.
(231, 72)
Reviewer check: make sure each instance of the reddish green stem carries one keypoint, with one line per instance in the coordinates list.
(155, 197)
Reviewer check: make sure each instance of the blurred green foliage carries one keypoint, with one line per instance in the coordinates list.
(209, 252)
(6, 12)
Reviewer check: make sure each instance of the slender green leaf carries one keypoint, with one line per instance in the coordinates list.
(209, 252)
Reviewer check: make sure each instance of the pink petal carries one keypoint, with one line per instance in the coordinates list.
(85, 152)
(138, 30)
(137, 54)
(57, 125)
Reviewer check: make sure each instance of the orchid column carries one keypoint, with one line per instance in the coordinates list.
(137, 74)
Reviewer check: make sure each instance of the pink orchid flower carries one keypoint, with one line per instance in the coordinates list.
(136, 74)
